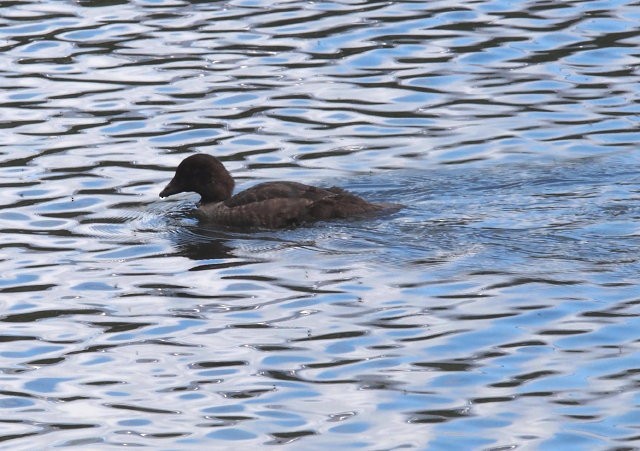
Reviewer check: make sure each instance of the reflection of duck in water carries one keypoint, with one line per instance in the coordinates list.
(267, 205)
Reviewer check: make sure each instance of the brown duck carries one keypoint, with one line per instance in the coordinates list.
(266, 205)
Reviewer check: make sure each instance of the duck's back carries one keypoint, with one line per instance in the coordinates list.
(278, 190)
(284, 204)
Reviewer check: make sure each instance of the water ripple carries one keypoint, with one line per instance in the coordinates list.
(498, 309)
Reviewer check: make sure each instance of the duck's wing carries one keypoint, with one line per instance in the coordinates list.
(272, 213)
(284, 204)
(279, 190)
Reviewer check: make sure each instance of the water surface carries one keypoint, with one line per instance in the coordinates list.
(498, 310)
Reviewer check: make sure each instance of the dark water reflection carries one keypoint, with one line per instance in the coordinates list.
(499, 309)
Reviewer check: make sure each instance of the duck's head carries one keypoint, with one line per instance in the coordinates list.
(202, 174)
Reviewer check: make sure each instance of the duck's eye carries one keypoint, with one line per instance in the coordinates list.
(201, 174)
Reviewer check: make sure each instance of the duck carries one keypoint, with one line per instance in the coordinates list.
(268, 205)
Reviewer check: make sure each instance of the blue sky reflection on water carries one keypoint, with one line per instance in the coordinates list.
(498, 309)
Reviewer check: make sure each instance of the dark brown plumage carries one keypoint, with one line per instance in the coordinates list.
(266, 205)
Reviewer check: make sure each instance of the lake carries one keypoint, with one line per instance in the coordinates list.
(499, 309)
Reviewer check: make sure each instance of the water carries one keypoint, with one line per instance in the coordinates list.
(498, 310)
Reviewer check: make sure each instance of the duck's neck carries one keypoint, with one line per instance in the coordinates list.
(217, 190)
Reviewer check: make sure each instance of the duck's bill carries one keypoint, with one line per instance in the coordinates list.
(170, 189)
